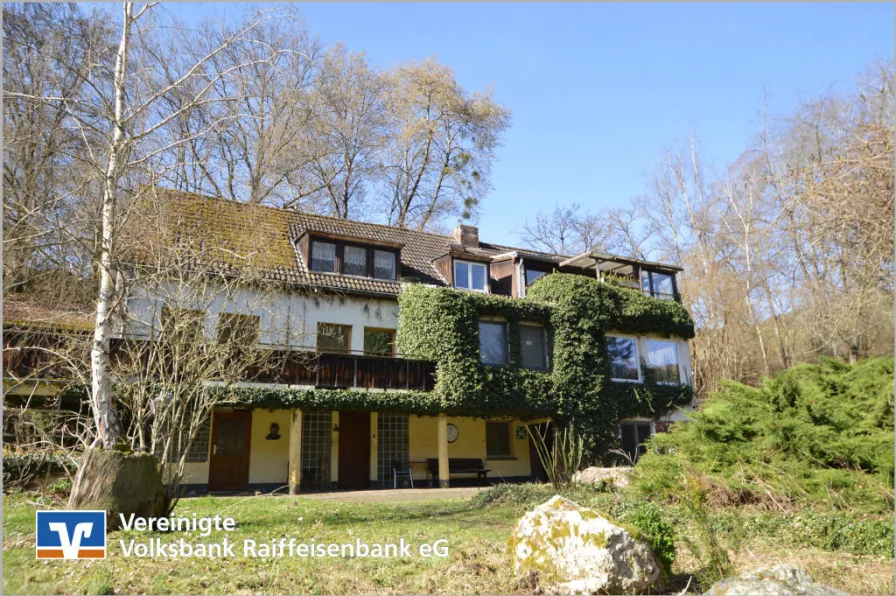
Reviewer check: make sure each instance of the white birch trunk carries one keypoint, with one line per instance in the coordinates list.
(108, 426)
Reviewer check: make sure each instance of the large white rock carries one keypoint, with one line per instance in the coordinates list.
(779, 580)
(575, 550)
(593, 475)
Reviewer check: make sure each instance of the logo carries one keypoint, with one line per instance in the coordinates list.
(71, 534)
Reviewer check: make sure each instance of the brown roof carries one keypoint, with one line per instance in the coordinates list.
(236, 234)
(31, 311)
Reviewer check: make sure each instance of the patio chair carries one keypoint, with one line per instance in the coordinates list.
(399, 469)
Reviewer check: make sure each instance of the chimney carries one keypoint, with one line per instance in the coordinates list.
(466, 235)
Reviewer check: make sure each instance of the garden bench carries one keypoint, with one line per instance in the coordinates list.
(459, 465)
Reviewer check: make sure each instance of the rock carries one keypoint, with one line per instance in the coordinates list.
(119, 483)
(592, 475)
(780, 580)
(575, 550)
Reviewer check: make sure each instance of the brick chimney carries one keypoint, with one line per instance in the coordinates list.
(466, 235)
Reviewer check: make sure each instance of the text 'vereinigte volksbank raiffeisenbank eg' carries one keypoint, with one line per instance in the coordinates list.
(217, 537)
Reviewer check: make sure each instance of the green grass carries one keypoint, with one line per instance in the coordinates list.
(477, 532)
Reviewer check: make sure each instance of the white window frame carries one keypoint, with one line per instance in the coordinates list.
(677, 345)
(637, 341)
(470, 265)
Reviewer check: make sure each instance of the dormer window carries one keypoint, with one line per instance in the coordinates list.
(355, 262)
(470, 276)
(351, 258)
(323, 257)
(383, 264)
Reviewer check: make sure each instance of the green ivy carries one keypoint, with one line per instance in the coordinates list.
(442, 325)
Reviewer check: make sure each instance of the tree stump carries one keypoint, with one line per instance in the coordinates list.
(120, 483)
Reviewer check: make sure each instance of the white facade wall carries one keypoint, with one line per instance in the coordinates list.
(286, 319)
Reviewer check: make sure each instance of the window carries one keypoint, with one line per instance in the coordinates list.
(493, 342)
(354, 261)
(532, 347)
(497, 440)
(379, 342)
(658, 285)
(240, 330)
(323, 257)
(183, 325)
(469, 276)
(622, 353)
(333, 338)
(662, 361)
(383, 264)
(532, 275)
(634, 434)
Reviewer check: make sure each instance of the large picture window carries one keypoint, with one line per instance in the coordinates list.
(622, 352)
(493, 342)
(379, 342)
(497, 440)
(533, 351)
(470, 276)
(662, 361)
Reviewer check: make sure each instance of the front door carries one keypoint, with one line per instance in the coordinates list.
(546, 432)
(354, 450)
(228, 467)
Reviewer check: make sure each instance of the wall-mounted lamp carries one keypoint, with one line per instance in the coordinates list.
(335, 428)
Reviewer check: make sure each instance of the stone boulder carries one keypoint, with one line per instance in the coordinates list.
(119, 483)
(593, 475)
(575, 550)
(779, 580)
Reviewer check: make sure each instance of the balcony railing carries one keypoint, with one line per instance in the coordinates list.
(347, 371)
(24, 359)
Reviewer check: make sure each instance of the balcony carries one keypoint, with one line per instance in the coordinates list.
(347, 371)
(656, 280)
(23, 359)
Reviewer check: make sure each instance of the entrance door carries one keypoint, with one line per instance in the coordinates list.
(228, 467)
(354, 450)
(536, 468)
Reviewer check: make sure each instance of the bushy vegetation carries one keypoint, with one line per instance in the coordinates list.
(815, 435)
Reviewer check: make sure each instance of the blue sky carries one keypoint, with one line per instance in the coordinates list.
(597, 90)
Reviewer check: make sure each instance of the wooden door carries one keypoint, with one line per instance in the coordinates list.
(354, 450)
(228, 467)
(536, 468)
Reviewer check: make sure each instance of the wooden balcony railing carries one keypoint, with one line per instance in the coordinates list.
(348, 371)
(23, 359)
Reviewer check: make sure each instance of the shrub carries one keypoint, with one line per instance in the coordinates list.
(816, 435)
(648, 519)
(21, 469)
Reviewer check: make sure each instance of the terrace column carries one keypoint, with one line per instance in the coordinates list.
(443, 451)
(295, 452)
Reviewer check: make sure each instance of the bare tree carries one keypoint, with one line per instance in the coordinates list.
(438, 158)
(350, 131)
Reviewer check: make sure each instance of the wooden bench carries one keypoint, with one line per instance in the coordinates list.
(459, 465)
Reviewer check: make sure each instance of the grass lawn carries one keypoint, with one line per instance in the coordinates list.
(477, 563)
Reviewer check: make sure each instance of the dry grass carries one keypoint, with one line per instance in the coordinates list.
(478, 561)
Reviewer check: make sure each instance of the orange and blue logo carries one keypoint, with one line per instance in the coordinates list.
(71, 534)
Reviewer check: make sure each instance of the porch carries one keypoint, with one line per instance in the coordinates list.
(319, 451)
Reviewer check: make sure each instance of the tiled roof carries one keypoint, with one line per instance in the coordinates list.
(238, 234)
(30, 311)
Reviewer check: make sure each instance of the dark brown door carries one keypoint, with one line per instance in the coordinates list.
(354, 450)
(536, 468)
(228, 467)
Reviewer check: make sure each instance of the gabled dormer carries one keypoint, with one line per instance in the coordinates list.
(335, 254)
